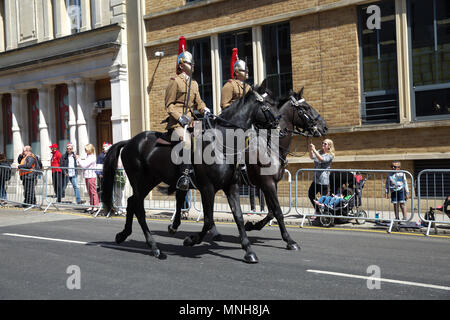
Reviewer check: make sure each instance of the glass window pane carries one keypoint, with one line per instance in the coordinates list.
(379, 65)
(277, 57)
(430, 41)
(242, 40)
(202, 68)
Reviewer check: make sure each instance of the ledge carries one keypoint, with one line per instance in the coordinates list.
(188, 6)
(378, 157)
(393, 126)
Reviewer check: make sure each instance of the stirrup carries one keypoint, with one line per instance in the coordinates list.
(183, 182)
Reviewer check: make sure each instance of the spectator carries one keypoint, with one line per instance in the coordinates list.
(89, 165)
(27, 174)
(397, 185)
(322, 160)
(255, 191)
(100, 161)
(332, 201)
(57, 176)
(70, 173)
(119, 186)
(5, 176)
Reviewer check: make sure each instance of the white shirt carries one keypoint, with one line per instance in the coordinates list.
(89, 163)
(71, 164)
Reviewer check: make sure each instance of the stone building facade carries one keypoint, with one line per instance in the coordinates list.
(65, 73)
(384, 91)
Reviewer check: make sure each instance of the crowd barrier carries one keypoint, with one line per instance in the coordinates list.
(364, 188)
(433, 192)
(365, 197)
(251, 199)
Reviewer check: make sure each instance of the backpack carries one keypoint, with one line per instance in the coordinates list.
(38, 163)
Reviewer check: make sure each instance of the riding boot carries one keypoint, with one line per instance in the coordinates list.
(184, 180)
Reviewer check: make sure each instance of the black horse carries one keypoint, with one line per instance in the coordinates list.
(148, 163)
(297, 117)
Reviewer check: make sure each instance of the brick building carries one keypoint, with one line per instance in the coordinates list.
(384, 91)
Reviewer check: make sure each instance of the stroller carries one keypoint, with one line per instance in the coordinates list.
(350, 206)
(429, 215)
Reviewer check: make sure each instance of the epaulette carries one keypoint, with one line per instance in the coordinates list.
(172, 78)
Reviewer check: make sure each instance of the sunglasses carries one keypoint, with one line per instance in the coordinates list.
(395, 167)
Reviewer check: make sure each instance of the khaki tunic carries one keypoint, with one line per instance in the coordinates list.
(176, 94)
(232, 91)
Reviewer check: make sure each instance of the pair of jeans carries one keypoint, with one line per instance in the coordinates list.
(29, 181)
(316, 188)
(58, 184)
(73, 181)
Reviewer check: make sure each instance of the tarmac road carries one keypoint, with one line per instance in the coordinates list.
(73, 256)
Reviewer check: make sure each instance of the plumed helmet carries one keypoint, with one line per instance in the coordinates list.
(185, 57)
(239, 66)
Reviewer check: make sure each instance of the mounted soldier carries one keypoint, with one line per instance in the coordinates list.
(236, 86)
(181, 99)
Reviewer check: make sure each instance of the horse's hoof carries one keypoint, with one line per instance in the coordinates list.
(156, 253)
(249, 226)
(171, 229)
(293, 246)
(217, 237)
(120, 238)
(251, 258)
(188, 242)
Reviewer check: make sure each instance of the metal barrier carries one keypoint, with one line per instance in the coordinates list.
(364, 197)
(433, 192)
(24, 188)
(248, 202)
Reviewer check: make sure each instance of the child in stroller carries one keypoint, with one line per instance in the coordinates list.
(345, 203)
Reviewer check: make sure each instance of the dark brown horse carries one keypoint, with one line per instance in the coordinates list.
(297, 117)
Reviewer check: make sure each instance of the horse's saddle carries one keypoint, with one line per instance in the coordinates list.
(163, 138)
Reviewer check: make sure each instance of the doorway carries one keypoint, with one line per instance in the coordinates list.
(104, 129)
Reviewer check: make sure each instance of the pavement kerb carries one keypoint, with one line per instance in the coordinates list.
(291, 221)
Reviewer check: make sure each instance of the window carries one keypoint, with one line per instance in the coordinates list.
(7, 126)
(242, 40)
(202, 69)
(33, 112)
(429, 25)
(62, 112)
(277, 57)
(73, 8)
(378, 52)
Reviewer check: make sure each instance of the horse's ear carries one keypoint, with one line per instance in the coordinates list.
(262, 87)
(300, 93)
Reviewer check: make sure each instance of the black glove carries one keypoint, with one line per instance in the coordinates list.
(184, 120)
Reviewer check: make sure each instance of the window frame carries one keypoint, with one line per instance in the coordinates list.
(427, 87)
(379, 93)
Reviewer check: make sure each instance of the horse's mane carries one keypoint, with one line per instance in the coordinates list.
(236, 105)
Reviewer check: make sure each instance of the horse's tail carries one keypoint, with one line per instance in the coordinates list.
(109, 171)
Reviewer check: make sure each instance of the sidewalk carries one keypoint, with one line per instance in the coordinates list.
(291, 219)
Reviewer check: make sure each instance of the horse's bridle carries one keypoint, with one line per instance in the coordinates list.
(272, 121)
(302, 110)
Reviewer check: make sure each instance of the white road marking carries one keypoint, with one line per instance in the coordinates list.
(78, 242)
(409, 283)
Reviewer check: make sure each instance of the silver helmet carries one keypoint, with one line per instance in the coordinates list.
(185, 57)
(240, 66)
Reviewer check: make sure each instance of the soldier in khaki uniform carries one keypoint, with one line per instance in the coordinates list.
(175, 103)
(234, 88)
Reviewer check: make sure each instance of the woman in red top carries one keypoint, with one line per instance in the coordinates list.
(57, 176)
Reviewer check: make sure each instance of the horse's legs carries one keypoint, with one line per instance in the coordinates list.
(122, 236)
(274, 206)
(208, 193)
(180, 197)
(235, 205)
(140, 215)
